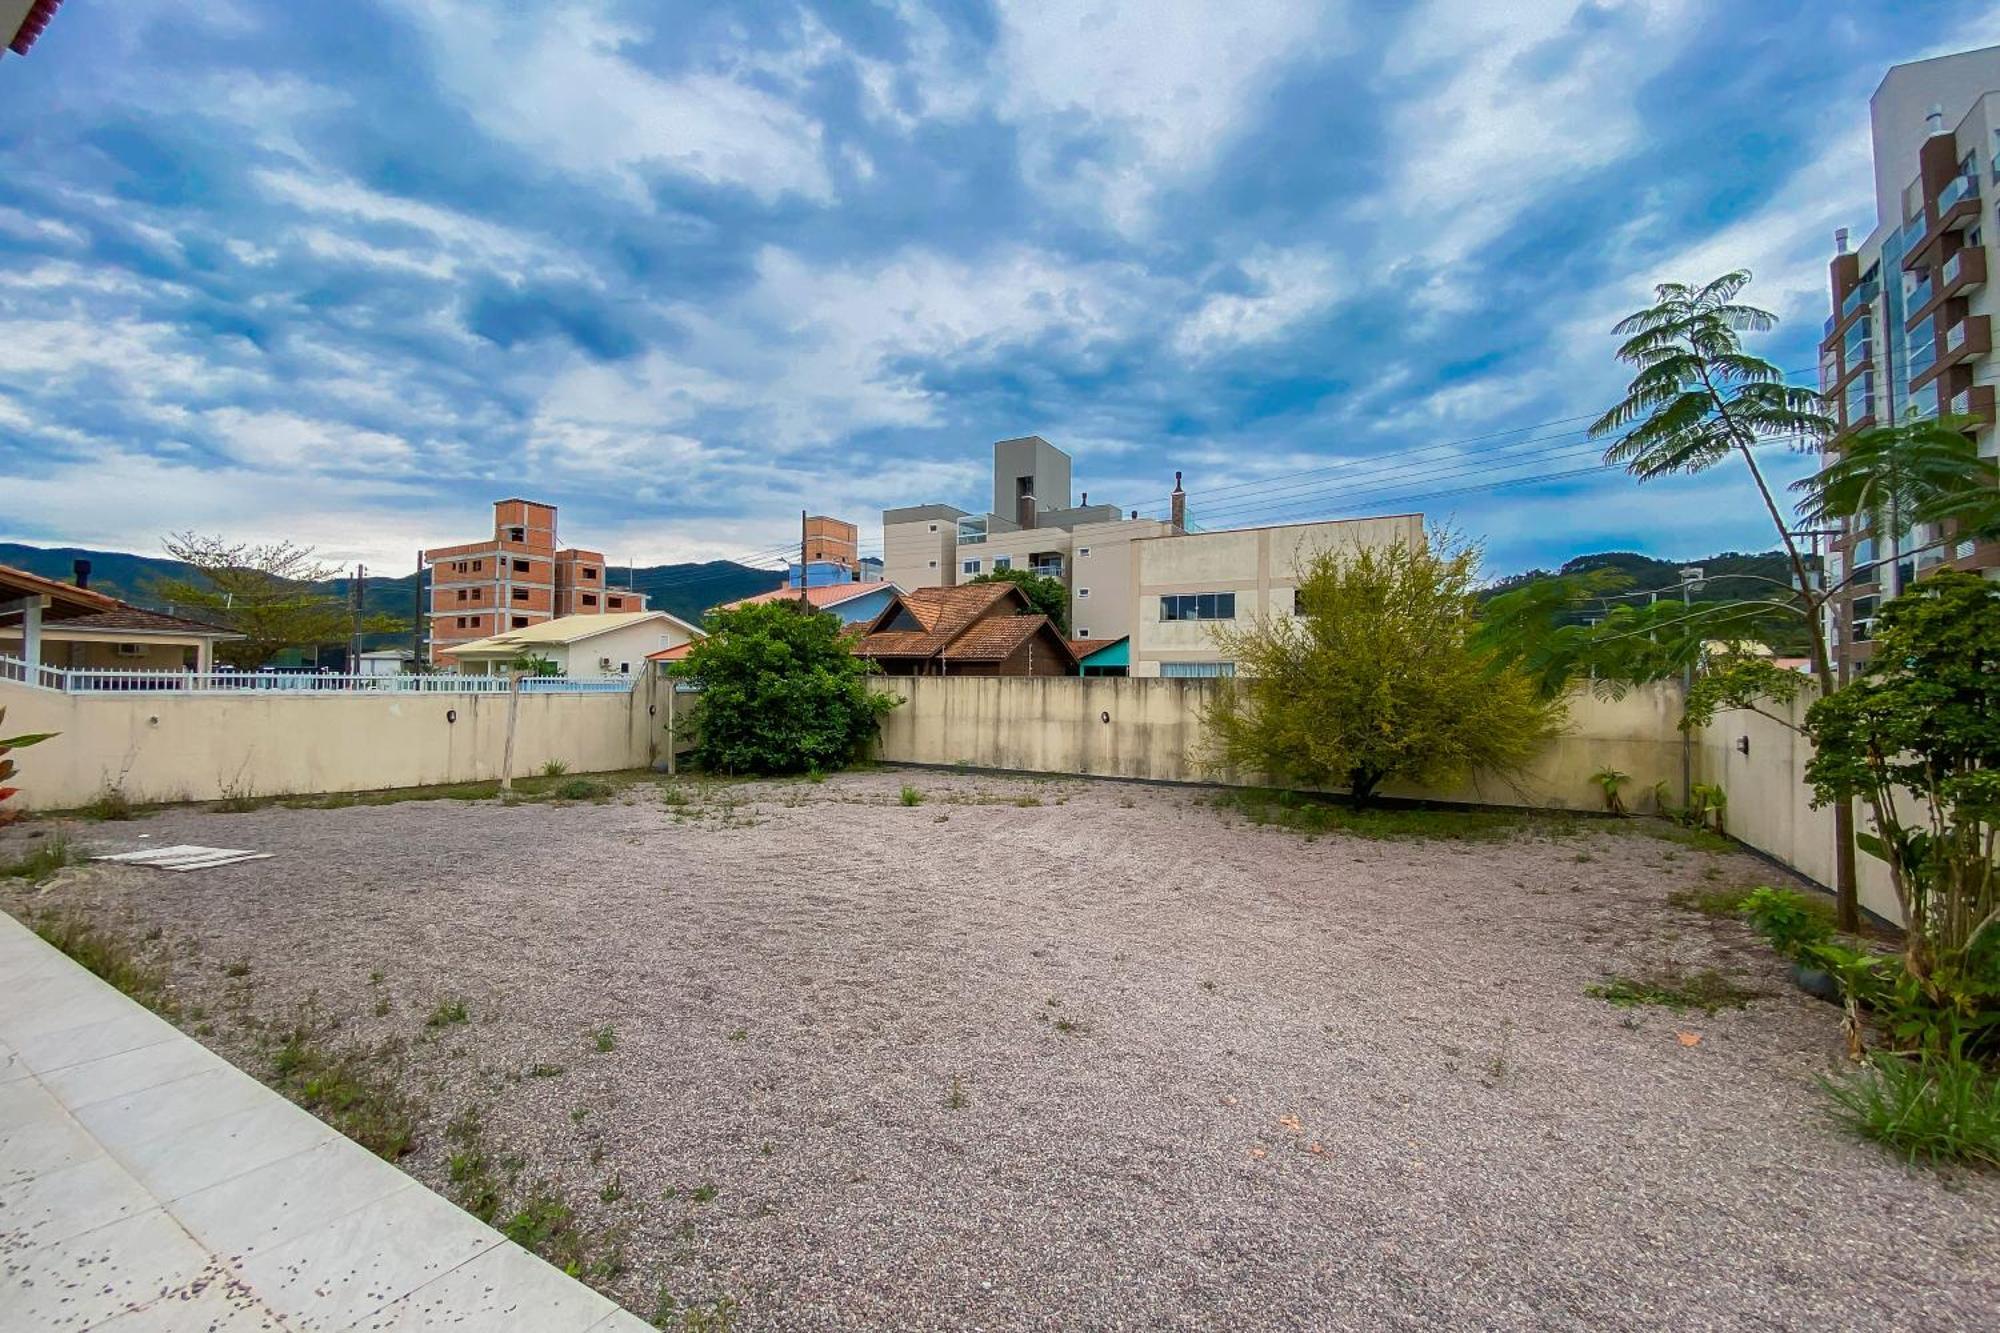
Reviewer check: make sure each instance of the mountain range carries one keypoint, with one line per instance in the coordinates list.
(685, 590)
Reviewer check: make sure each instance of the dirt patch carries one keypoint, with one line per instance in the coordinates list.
(1060, 1054)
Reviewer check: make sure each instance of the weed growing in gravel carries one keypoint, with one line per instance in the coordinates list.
(238, 801)
(543, 1220)
(739, 1034)
(238, 968)
(50, 855)
(911, 796)
(447, 1013)
(1028, 802)
(578, 1114)
(716, 1316)
(109, 804)
(605, 1039)
(347, 1087)
(1707, 990)
(613, 1190)
(954, 1099)
(581, 789)
(382, 1006)
(545, 1071)
(1933, 1106)
(1315, 815)
(704, 1192)
(110, 958)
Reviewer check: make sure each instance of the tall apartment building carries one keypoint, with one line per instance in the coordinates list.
(1911, 333)
(1033, 525)
(516, 578)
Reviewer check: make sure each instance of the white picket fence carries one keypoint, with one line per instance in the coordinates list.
(91, 680)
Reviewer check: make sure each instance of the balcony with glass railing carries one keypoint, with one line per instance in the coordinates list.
(1959, 191)
(1923, 355)
(971, 531)
(1963, 271)
(1918, 300)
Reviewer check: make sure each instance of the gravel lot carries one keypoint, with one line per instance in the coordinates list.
(1105, 1058)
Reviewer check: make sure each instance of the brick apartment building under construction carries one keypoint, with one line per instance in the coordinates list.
(516, 578)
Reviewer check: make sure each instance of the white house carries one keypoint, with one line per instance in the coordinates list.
(616, 643)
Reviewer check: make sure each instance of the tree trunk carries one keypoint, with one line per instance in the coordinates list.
(1361, 785)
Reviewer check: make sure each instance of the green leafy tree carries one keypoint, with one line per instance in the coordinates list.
(1924, 718)
(1893, 478)
(781, 692)
(1377, 679)
(265, 593)
(1047, 595)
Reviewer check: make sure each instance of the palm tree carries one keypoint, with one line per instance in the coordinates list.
(1894, 477)
(1699, 397)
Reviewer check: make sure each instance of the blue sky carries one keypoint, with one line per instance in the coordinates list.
(345, 273)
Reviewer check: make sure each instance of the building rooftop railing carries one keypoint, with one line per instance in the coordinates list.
(93, 680)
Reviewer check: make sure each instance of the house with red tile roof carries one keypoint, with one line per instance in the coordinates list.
(973, 629)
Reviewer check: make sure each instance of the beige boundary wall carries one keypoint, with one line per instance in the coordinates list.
(194, 747)
(1152, 729)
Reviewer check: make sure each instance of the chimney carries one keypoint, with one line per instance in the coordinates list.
(1135, 515)
(81, 568)
(1024, 511)
(1085, 502)
(1840, 240)
(1180, 505)
(1935, 120)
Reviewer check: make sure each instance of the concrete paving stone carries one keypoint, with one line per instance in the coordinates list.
(37, 1135)
(12, 1066)
(170, 1110)
(620, 1320)
(89, 1279)
(214, 1304)
(336, 1275)
(57, 999)
(178, 1163)
(129, 1029)
(120, 1075)
(58, 1205)
(287, 1198)
(505, 1287)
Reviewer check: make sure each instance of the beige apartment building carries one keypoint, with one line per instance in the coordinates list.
(1147, 580)
(1188, 585)
(1911, 329)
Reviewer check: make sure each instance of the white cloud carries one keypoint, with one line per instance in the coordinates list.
(1293, 285)
(289, 442)
(1173, 81)
(558, 85)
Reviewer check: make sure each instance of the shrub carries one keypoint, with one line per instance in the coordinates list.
(1932, 1106)
(781, 692)
(109, 804)
(1787, 919)
(1610, 781)
(1379, 677)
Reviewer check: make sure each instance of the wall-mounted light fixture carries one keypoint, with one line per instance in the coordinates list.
(1104, 716)
(451, 715)
(1743, 745)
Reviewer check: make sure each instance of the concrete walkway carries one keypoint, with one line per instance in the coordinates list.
(146, 1183)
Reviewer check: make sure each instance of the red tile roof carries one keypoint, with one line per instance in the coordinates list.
(833, 594)
(134, 619)
(673, 654)
(973, 622)
(994, 639)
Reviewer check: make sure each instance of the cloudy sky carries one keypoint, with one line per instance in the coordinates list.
(345, 273)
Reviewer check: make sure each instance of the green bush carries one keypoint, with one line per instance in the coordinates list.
(781, 692)
(1933, 1106)
(1787, 919)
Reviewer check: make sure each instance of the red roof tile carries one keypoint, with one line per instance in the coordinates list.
(833, 594)
(994, 639)
(135, 619)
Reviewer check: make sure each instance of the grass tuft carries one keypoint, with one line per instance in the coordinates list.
(110, 958)
(349, 1088)
(447, 1013)
(911, 796)
(1707, 990)
(1934, 1107)
(109, 804)
(48, 856)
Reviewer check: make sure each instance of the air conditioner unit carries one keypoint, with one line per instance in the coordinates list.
(604, 664)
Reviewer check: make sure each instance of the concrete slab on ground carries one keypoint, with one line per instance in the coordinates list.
(146, 1183)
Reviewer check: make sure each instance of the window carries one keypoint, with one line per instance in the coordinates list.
(1197, 670)
(1003, 562)
(461, 622)
(1083, 634)
(933, 564)
(1864, 619)
(461, 594)
(520, 566)
(615, 602)
(517, 534)
(1083, 592)
(1198, 606)
(1082, 551)
(970, 566)
(478, 565)
(589, 573)
(590, 599)
(519, 622)
(520, 594)
(933, 527)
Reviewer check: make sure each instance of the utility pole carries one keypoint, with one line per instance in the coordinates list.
(357, 592)
(1692, 577)
(805, 602)
(417, 622)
